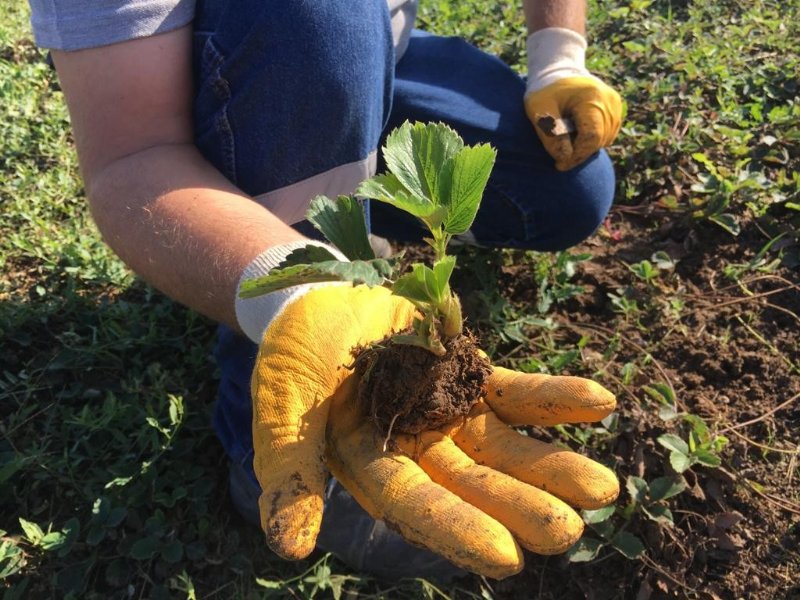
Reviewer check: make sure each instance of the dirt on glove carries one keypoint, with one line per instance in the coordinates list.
(408, 389)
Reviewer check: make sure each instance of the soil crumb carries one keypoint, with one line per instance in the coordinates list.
(408, 389)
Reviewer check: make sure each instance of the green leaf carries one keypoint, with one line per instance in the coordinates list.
(432, 284)
(628, 544)
(175, 409)
(100, 509)
(584, 550)
(637, 488)
(660, 392)
(667, 413)
(666, 487)
(704, 160)
(605, 529)
(307, 255)
(442, 269)
(728, 222)
(659, 513)
(679, 461)
(591, 517)
(706, 458)
(387, 188)
(52, 540)
(33, 533)
(421, 285)
(435, 145)
(172, 551)
(463, 185)
(371, 273)
(95, 534)
(336, 582)
(145, 548)
(116, 516)
(698, 425)
(12, 559)
(343, 223)
(433, 176)
(663, 260)
(118, 482)
(416, 155)
(8, 470)
(671, 441)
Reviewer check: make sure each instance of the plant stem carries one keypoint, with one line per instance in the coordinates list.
(440, 241)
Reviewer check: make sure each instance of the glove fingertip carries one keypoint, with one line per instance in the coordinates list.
(291, 529)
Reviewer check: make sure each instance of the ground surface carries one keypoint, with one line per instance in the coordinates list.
(685, 304)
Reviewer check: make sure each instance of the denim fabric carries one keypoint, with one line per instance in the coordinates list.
(288, 89)
(527, 204)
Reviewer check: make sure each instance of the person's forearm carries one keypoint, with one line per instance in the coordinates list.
(178, 223)
(569, 14)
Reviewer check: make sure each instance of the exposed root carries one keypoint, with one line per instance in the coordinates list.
(389, 433)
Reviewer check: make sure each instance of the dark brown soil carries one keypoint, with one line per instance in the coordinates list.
(729, 346)
(433, 391)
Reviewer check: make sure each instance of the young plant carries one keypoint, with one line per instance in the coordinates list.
(433, 176)
(703, 447)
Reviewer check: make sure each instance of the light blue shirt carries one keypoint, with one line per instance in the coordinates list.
(78, 24)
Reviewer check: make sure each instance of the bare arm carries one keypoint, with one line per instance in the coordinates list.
(165, 211)
(569, 14)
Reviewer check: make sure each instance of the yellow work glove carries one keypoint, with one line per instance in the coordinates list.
(302, 360)
(559, 86)
(476, 490)
(304, 394)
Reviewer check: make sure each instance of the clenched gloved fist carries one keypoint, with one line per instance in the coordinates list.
(468, 491)
(559, 86)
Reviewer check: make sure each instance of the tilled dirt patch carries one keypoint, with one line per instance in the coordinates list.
(729, 348)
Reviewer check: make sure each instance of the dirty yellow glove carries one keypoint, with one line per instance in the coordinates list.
(301, 363)
(473, 490)
(559, 86)
(468, 505)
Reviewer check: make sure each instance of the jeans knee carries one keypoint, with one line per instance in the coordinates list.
(579, 202)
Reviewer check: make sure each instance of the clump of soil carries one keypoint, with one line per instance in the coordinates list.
(431, 391)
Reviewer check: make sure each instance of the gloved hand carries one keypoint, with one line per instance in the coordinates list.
(559, 85)
(302, 361)
(470, 491)
(303, 391)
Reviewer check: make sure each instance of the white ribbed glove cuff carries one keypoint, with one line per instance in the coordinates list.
(255, 314)
(555, 53)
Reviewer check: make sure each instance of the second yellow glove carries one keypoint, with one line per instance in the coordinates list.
(594, 108)
(559, 86)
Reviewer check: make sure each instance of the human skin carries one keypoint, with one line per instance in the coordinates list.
(569, 14)
(167, 212)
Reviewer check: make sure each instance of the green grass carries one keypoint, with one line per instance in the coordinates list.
(111, 480)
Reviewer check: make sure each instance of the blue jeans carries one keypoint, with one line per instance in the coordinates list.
(287, 90)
